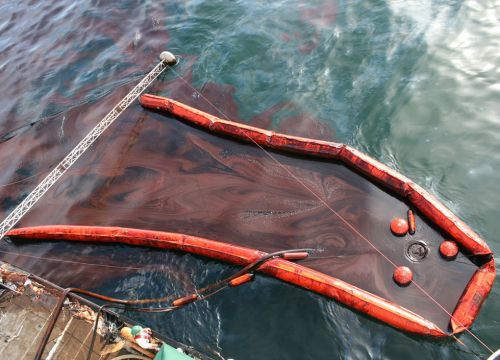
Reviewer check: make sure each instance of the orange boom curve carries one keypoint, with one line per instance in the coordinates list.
(465, 308)
(479, 285)
(285, 270)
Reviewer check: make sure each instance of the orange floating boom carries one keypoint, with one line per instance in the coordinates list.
(363, 301)
(285, 270)
(382, 309)
(481, 282)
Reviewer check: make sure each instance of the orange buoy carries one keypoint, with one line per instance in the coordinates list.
(399, 226)
(448, 249)
(240, 280)
(411, 222)
(402, 275)
(295, 256)
(185, 300)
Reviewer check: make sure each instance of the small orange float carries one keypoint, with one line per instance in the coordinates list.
(240, 280)
(403, 275)
(411, 222)
(399, 226)
(185, 300)
(448, 249)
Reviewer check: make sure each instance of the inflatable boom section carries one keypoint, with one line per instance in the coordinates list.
(469, 242)
(463, 306)
(285, 270)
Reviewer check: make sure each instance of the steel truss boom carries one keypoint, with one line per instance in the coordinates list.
(13, 218)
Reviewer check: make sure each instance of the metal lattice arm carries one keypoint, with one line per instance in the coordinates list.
(13, 218)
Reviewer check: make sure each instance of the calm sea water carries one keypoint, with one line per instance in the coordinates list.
(414, 84)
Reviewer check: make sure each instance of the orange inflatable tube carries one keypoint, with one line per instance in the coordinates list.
(467, 307)
(363, 301)
(481, 282)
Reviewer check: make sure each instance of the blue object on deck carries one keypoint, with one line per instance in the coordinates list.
(167, 352)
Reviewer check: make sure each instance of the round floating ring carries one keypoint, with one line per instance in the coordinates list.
(417, 251)
(399, 226)
(402, 275)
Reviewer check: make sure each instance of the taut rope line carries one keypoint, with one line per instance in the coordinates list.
(55, 174)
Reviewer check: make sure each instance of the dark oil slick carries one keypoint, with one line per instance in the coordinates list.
(363, 73)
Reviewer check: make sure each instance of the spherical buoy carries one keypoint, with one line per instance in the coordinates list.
(448, 249)
(402, 275)
(168, 57)
(399, 226)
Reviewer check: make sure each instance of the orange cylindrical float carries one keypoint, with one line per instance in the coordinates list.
(185, 300)
(240, 280)
(295, 255)
(411, 222)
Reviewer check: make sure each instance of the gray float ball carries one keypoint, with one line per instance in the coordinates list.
(168, 57)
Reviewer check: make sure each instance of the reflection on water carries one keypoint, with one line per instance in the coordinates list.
(414, 84)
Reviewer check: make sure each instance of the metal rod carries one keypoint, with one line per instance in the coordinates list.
(13, 218)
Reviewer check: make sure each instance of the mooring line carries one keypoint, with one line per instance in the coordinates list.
(346, 222)
(71, 261)
(13, 218)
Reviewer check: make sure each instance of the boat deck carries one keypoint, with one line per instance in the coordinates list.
(26, 307)
(23, 321)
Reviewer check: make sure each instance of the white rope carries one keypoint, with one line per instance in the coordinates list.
(13, 218)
